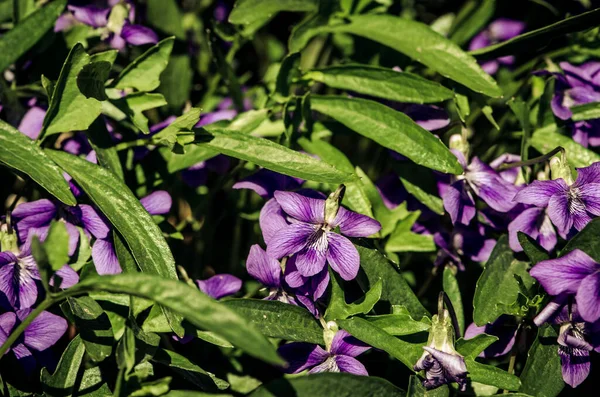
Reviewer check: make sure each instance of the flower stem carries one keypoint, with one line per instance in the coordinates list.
(12, 338)
(536, 160)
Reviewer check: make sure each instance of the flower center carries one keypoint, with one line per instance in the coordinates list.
(318, 239)
(575, 204)
(330, 365)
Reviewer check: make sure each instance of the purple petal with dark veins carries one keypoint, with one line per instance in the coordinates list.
(342, 256)
(93, 222)
(311, 260)
(7, 323)
(289, 240)
(566, 273)
(345, 344)
(458, 203)
(350, 365)
(138, 35)
(527, 222)
(575, 366)
(271, 220)
(588, 297)
(558, 108)
(157, 203)
(220, 285)
(490, 187)
(68, 276)
(562, 213)
(105, 257)
(44, 331)
(302, 208)
(264, 268)
(538, 193)
(355, 225)
(19, 283)
(33, 214)
(587, 175)
(301, 356)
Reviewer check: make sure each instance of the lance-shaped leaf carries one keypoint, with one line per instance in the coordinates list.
(279, 320)
(189, 370)
(472, 347)
(70, 109)
(251, 11)
(390, 129)
(62, 381)
(27, 32)
(193, 155)
(421, 43)
(20, 153)
(472, 17)
(338, 309)
(400, 322)
(452, 289)
(272, 156)
(490, 375)
(382, 83)
(542, 373)
(143, 73)
(191, 304)
(547, 139)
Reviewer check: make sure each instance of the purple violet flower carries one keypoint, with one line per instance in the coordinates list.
(479, 179)
(43, 332)
(577, 86)
(220, 285)
(586, 132)
(340, 357)
(469, 242)
(575, 273)
(310, 235)
(501, 29)
(503, 329)
(569, 206)
(31, 123)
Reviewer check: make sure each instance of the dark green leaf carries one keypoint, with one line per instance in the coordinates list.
(92, 384)
(191, 371)
(62, 381)
(94, 327)
(329, 385)
(475, 345)
(405, 352)
(586, 240)
(288, 71)
(539, 37)
(17, 152)
(472, 18)
(497, 287)
(17, 41)
(176, 81)
(395, 289)
(143, 73)
(452, 289)
(279, 320)
(420, 183)
(193, 155)
(56, 245)
(251, 11)
(103, 145)
(542, 376)
(419, 42)
(532, 249)
(416, 389)
(191, 304)
(275, 157)
(166, 16)
(490, 375)
(91, 80)
(338, 309)
(381, 83)
(389, 128)
(547, 139)
(132, 106)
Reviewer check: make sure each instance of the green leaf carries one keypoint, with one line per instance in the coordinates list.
(279, 320)
(56, 245)
(338, 309)
(166, 16)
(103, 145)
(193, 155)
(381, 83)
(490, 375)
(395, 289)
(452, 289)
(70, 109)
(133, 105)
(471, 19)
(586, 240)
(94, 327)
(540, 37)
(191, 304)
(288, 71)
(62, 381)
(92, 384)
(247, 12)
(547, 139)
(586, 112)
(475, 345)
(17, 152)
(420, 183)
(542, 373)
(91, 79)
(399, 324)
(403, 239)
(389, 128)
(329, 385)
(189, 370)
(497, 287)
(275, 157)
(18, 40)
(532, 249)
(422, 44)
(143, 73)
(176, 81)
(407, 353)
(416, 389)
(184, 123)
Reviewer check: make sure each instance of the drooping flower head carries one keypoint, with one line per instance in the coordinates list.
(311, 237)
(501, 29)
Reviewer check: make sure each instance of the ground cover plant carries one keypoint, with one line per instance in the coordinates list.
(299, 198)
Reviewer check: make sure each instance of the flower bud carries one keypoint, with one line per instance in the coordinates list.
(332, 204)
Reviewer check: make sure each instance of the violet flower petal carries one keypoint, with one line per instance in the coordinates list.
(301, 356)
(312, 260)
(31, 124)
(342, 256)
(90, 15)
(94, 222)
(564, 274)
(575, 366)
(353, 224)
(138, 35)
(588, 297)
(345, 344)
(587, 175)
(538, 193)
(300, 207)
(220, 285)
(350, 365)
(157, 203)
(44, 331)
(105, 257)
(271, 220)
(264, 268)
(458, 203)
(289, 240)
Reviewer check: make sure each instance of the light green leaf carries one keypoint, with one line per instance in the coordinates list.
(389, 128)
(547, 139)
(191, 304)
(166, 16)
(421, 184)
(329, 385)
(184, 123)
(403, 239)
(143, 73)
(497, 287)
(490, 375)
(62, 381)
(17, 151)
(338, 309)
(399, 324)
(279, 320)
(452, 289)
(92, 384)
(193, 155)
(395, 289)
(247, 12)
(134, 104)
(416, 389)
(94, 326)
(422, 44)
(407, 353)
(275, 157)
(381, 83)
(542, 376)
(189, 370)
(18, 40)
(56, 245)
(70, 109)
(473, 346)
(586, 112)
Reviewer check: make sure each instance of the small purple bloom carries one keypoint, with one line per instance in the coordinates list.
(310, 236)
(429, 117)
(569, 206)
(340, 357)
(535, 223)
(138, 34)
(31, 124)
(265, 182)
(90, 15)
(501, 29)
(586, 132)
(220, 285)
(503, 329)
(575, 273)
(20, 278)
(43, 332)
(470, 242)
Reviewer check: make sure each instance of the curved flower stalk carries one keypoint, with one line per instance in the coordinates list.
(501, 29)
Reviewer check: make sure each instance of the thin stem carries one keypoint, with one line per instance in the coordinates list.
(443, 298)
(536, 160)
(12, 338)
